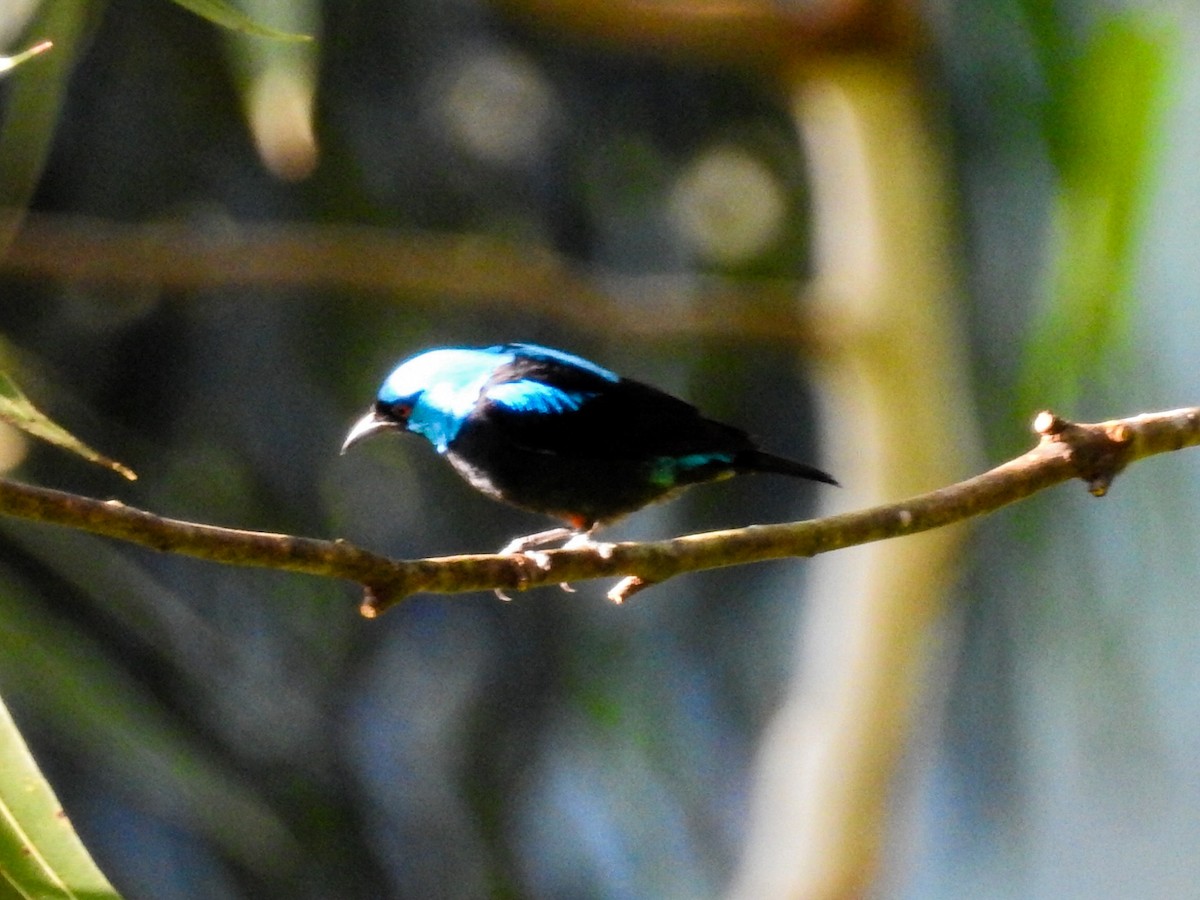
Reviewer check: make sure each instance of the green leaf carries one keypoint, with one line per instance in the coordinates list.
(1104, 136)
(40, 854)
(228, 16)
(16, 410)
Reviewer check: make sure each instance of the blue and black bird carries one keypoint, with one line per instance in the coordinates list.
(553, 433)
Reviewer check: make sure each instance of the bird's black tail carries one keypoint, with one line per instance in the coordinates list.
(757, 461)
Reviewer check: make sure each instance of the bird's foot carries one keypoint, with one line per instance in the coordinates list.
(530, 558)
(531, 562)
(574, 540)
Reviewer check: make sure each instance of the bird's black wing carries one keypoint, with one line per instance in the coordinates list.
(549, 404)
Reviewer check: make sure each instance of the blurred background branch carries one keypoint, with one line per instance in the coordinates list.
(473, 273)
(823, 798)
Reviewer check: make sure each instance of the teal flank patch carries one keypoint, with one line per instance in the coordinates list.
(665, 470)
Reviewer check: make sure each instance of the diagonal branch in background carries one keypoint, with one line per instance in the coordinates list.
(1095, 453)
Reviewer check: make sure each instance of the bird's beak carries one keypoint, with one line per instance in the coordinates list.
(368, 425)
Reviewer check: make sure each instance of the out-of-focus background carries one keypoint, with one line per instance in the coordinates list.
(878, 236)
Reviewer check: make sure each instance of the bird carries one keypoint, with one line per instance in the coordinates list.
(553, 433)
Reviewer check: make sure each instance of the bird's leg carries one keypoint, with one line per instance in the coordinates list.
(583, 539)
(541, 539)
(577, 540)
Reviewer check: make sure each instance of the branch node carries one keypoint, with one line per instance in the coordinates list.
(1119, 432)
(627, 587)
(1047, 424)
(1098, 452)
(378, 599)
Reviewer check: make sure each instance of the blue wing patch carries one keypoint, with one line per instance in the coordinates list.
(536, 351)
(535, 397)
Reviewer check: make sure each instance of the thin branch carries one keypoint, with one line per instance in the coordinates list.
(1096, 453)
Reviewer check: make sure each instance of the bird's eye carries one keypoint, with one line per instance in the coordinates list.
(398, 410)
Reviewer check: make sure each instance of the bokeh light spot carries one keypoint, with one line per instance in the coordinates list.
(728, 205)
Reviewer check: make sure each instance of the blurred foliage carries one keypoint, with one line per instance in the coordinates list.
(39, 852)
(278, 81)
(250, 728)
(34, 102)
(40, 855)
(1102, 121)
(235, 734)
(33, 107)
(228, 15)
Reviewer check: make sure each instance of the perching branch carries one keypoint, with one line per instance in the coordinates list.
(1096, 453)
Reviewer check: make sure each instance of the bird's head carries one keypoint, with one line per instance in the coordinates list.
(430, 395)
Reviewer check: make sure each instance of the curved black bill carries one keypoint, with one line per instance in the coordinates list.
(372, 423)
